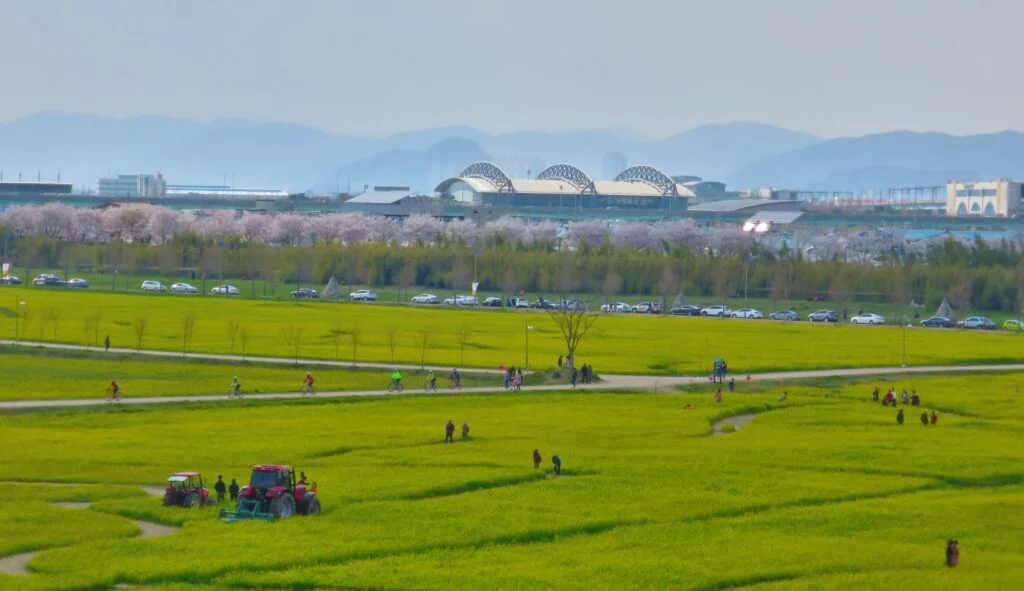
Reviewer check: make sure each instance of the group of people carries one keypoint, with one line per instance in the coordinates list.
(925, 419)
(910, 398)
(585, 373)
(449, 431)
(556, 462)
(513, 378)
(220, 488)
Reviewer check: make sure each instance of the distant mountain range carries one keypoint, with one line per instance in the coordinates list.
(298, 158)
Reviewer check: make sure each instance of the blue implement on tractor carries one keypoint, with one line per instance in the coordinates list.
(247, 509)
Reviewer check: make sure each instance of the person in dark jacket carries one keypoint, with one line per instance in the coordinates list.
(536, 458)
(449, 432)
(575, 375)
(233, 490)
(220, 488)
(924, 418)
(899, 417)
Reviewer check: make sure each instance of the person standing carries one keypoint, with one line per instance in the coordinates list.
(559, 362)
(899, 417)
(935, 417)
(536, 458)
(449, 432)
(732, 385)
(924, 418)
(573, 377)
(220, 489)
(465, 430)
(556, 463)
(106, 344)
(233, 490)
(718, 395)
(952, 553)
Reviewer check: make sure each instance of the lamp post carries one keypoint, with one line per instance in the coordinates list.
(750, 258)
(527, 333)
(904, 323)
(17, 315)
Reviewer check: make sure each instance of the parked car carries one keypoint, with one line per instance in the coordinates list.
(823, 316)
(867, 318)
(789, 315)
(150, 285)
(716, 310)
(426, 298)
(461, 300)
(979, 322)
(647, 308)
(305, 293)
(80, 283)
(521, 302)
(938, 322)
(492, 302)
(363, 295)
(750, 313)
(542, 304)
(1013, 325)
(225, 290)
(686, 310)
(183, 288)
(48, 280)
(617, 307)
(572, 305)
(10, 280)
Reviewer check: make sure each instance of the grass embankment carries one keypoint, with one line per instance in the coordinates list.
(42, 374)
(617, 344)
(647, 498)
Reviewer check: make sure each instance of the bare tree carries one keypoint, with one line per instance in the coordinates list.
(405, 278)
(356, 335)
(243, 336)
(88, 326)
(232, 329)
(140, 324)
(963, 293)
(508, 280)
(462, 335)
(668, 284)
(335, 335)
(612, 285)
(392, 335)
(188, 326)
(293, 339)
(53, 316)
(781, 282)
(26, 319)
(721, 282)
(573, 322)
(839, 289)
(462, 272)
(423, 340)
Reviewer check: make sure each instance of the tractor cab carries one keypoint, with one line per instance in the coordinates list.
(186, 489)
(273, 493)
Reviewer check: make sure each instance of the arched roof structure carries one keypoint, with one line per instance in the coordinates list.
(570, 174)
(651, 176)
(491, 172)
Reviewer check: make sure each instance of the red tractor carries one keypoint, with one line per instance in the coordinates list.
(185, 489)
(273, 493)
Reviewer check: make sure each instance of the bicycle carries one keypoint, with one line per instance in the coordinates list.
(113, 396)
(235, 391)
(308, 388)
(395, 386)
(431, 386)
(456, 384)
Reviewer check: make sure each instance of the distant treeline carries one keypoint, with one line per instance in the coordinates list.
(972, 275)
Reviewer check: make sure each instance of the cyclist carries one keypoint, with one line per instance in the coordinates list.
(115, 391)
(236, 386)
(456, 379)
(396, 378)
(432, 380)
(307, 382)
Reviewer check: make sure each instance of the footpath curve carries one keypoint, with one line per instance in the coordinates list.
(640, 383)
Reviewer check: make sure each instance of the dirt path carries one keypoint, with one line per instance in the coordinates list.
(153, 491)
(738, 421)
(16, 564)
(72, 505)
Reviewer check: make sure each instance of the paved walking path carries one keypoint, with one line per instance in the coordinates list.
(637, 383)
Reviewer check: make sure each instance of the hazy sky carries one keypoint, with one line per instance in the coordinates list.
(832, 67)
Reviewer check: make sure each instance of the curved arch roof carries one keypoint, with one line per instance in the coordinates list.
(566, 179)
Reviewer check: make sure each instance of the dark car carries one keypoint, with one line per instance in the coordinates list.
(492, 303)
(10, 280)
(542, 304)
(305, 293)
(823, 316)
(789, 315)
(686, 310)
(938, 322)
(48, 280)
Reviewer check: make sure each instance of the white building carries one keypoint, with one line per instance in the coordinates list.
(134, 186)
(999, 198)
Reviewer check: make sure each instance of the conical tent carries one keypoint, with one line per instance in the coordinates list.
(945, 310)
(331, 291)
(680, 300)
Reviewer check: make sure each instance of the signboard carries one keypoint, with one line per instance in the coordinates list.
(475, 285)
(7, 268)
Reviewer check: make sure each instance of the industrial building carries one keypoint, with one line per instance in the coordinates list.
(224, 192)
(34, 189)
(133, 186)
(998, 198)
(565, 187)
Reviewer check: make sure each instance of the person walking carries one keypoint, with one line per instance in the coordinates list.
(559, 362)
(536, 458)
(106, 344)
(899, 417)
(465, 430)
(935, 417)
(556, 463)
(573, 377)
(874, 394)
(718, 395)
(233, 490)
(508, 378)
(732, 385)
(220, 488)
(449, 432)
(924, 418)
(952, 553)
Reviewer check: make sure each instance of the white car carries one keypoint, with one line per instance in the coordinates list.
(617, 307)
(868, 318)
(522, 303)
(183, 288)
(748, 313)
(225, 290)
(717, 310)
(363, 295)
(426, 298)
(461, 300)
(149, 285)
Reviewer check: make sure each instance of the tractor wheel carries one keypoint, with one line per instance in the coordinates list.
(191, 501)
(283, 506)
(168, 500)
(311, 507)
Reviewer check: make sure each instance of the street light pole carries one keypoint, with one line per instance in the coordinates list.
(527, 333)
(904, 323)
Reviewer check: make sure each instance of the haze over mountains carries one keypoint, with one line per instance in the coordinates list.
(299, 158)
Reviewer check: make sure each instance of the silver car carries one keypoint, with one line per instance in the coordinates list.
(183, 288)
(426, 298)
